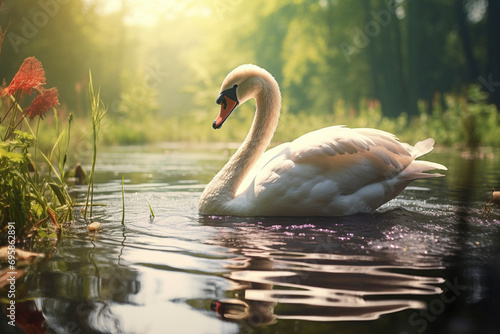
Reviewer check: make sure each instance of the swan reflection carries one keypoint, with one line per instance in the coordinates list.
(270, 282)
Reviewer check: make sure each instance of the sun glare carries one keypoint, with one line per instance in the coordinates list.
(148, 13)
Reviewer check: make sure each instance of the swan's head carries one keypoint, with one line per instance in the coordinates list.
(241, 84)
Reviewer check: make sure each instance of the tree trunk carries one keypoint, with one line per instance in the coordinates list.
(413, 56)
(466, 42)
(493, 66)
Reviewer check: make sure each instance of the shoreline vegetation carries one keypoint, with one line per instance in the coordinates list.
(34, 178)
(464, 122)
(35, 202)
(29, 198)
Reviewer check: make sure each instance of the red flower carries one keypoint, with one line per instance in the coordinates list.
(29, 76)
(42, 103)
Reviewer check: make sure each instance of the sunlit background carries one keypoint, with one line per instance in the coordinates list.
(416, 68)
(163, 61)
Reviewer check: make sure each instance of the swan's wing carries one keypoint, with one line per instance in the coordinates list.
(339, 144)
(352, 157)
(336, 162)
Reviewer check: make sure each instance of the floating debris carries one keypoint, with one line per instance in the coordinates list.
(94, 226)
(495, 199)
(78, 175)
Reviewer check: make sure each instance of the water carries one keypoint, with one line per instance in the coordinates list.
(427, 262)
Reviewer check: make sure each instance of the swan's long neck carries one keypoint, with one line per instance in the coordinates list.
(224, 185)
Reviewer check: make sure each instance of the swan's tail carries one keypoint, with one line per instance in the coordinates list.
(422, 147)
(416, 170)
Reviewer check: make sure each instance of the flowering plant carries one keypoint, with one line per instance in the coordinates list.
(26, 196)
(30, 77)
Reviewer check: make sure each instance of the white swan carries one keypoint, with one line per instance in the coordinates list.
(334, 171)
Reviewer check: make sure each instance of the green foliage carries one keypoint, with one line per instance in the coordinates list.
(363, 63)
(469, 122)
(466, 122)
(29, 197)
(15, 182)
(321, 52)
(25, 195)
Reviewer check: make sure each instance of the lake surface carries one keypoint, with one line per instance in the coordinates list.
(426, 262)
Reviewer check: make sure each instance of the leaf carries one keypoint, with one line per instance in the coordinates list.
(24, 137)
(42, 234)
(37, 208)
(59, 193)
(12, 156)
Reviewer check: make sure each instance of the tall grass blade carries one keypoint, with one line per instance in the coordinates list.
(151, 210)
(123, 201)
(97, 113)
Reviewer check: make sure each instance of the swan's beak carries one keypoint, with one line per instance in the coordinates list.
(228, 102)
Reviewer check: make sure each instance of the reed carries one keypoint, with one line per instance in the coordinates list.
(151, 211)
(123, 201)
(98, 111)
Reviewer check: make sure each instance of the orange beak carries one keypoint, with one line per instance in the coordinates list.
(225, 110)
(228, 102)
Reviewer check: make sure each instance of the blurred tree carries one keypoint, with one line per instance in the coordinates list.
(47, 30)
(321, 51)
(493, 49)
(69, 38)
(463, 31)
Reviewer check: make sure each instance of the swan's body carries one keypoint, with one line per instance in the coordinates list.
(334, 171)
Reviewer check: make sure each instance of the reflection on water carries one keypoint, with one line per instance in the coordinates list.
(318, 283)
(427, 262)
(336, 293)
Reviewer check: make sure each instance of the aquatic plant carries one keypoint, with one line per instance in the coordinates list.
(123, 201)
(151, 212)
(98, 111)
(27, 197)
